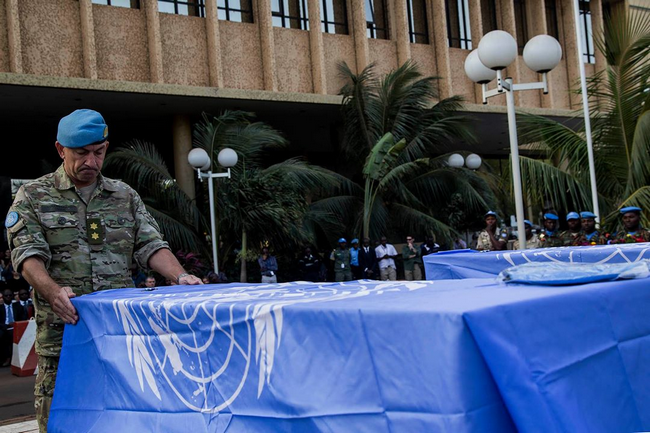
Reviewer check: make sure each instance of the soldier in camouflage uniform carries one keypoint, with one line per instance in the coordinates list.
(589, 235)
(568, 237)
(550, 236)
(73, 232)
(632, 231)
(490, 239)
(341, 258)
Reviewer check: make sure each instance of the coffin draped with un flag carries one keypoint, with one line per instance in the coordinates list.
(434, 356)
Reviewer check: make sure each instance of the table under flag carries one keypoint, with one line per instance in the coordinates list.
(456, 356)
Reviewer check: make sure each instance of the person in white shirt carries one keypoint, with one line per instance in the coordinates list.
(386, 254)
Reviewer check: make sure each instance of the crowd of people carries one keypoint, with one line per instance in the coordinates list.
(581, 231)
(17, 305)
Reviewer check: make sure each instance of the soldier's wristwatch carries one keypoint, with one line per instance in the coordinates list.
(181, 275)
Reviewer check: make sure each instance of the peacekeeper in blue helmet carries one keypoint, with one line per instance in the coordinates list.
(74, 232)
(550, 236)
(569, 236)
(341, 258)
(632, 231)
(491, 238)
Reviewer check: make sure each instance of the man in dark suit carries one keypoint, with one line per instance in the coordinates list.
(368, 261)
(9, 313)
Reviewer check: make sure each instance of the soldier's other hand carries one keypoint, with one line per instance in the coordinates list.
(189, 280)
(62, 306)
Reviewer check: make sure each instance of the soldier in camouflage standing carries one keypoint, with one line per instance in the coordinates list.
(550, 236)
(632, 231)
(341, 258)
(568, 237)
(73, 232)
(589, 235)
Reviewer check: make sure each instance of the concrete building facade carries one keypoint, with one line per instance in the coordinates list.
(157, 64)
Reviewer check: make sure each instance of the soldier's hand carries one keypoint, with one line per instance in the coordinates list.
(62, 306)
(189, 280)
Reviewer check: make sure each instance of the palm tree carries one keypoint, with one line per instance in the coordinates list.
(276, 204)
(140, 165)
(397, 128)
(620, 103)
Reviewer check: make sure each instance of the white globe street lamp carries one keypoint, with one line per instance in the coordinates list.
(200, 161)
(473, 161)
(456, 160)
(496, 51)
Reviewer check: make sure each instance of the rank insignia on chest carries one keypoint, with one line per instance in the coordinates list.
(95, 231)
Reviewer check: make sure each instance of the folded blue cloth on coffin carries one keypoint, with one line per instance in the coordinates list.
(559, 274)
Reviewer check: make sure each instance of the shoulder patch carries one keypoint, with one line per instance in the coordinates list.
(12, 219)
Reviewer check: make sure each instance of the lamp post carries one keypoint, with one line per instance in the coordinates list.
(200, 161)
(495, 52)
(456, 160)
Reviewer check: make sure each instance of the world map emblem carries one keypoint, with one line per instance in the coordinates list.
(205, 344)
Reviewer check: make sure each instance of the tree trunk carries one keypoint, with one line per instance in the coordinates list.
(243, 275)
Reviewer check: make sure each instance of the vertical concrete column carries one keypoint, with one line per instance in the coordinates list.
(536, 18)
(359, 33)
(214, 44)
(88, 39)
(154, 40)
(13, 36)
(316, 48)
(265, 25)
(570, 52)
(598, 27)
(508, 25)
(182, 140)
(438, 29)
(476, 27)
(402, 31)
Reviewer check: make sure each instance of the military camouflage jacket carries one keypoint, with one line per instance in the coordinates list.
(569, 238)
(87, 248)
(623, 237)
(595, 238)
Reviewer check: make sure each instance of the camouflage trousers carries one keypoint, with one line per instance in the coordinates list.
(44, 389)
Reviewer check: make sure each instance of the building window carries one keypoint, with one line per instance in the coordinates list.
(551, 19)
(588, 54)
(376, 19)
(240, 11)
(489, 15)
(133, 4)
(334, 17)
(458, 27)
(418, 23)
(193, 8)
(290, 14)
(521, 25)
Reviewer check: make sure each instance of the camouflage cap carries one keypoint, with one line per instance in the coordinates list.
(82, 128)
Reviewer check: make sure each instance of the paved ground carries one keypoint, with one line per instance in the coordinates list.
(16, 397)
(20, 427)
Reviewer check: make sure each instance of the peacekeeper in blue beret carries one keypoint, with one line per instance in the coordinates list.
(550, 237)
(589, 235)
(74, 232)
(632, 231)
(569, 236)
(491, 238)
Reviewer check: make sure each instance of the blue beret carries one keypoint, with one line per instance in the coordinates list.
(355, 241)
(572, 216)
(488, 213)
(587, 215)
(630, 209)
(342, 240)
(526, 222)
(82, 128)
(551, 216)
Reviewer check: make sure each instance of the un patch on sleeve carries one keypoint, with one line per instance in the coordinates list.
(12, 219)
